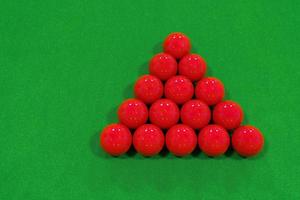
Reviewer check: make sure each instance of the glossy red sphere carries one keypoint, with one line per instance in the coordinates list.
(115, 139)
(210, 90)
(148, 140)
(195, 114)
(177, 45)
(247, 141)
(213, 140)
(181, 140)
(179, 89)
(148, 89)
(228, 114)
(133, 113)
(163, 66)
(192, 66)
(164, 113)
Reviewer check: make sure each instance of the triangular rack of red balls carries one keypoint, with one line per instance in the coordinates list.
(184, 103)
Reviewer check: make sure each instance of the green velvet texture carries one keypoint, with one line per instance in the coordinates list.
(66, 65)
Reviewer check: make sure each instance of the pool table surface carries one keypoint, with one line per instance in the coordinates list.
(65, 66)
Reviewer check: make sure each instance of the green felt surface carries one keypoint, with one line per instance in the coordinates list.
(66, 65)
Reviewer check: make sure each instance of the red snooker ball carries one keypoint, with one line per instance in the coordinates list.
(228, 114)
(148, 89)
(164, 113)
(179, 89)
(213, 140)
(195, 114)
(181, 140)
(133, 113)
(192, 66)
(247, 141)
(115, 139)
(210, 90)
(177, 45)
(148, 140)
(163, 66)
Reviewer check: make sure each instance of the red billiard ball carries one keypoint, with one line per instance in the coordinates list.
(228, 114)
(210, 90)
(177, 45)
(181, 140)
(247, 141)
(192, 66)
(133, 113)
(163, 66)
(164, 113)
(195, 114)
(179, 89)
(148, 89)
(213, 140)
(148, 140)
(115, 139)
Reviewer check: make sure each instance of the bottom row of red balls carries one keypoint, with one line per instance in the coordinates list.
(181, 140)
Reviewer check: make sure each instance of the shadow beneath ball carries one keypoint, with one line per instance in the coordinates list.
(143, 69)
(131, 152)
(246, 119)
(227, 95)
(95, 148)
(229, 152)
(157, 48)
(128, 92)
(209, 71)
(112, 116)
(196, 152)
(194, 49)
(164, 152)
